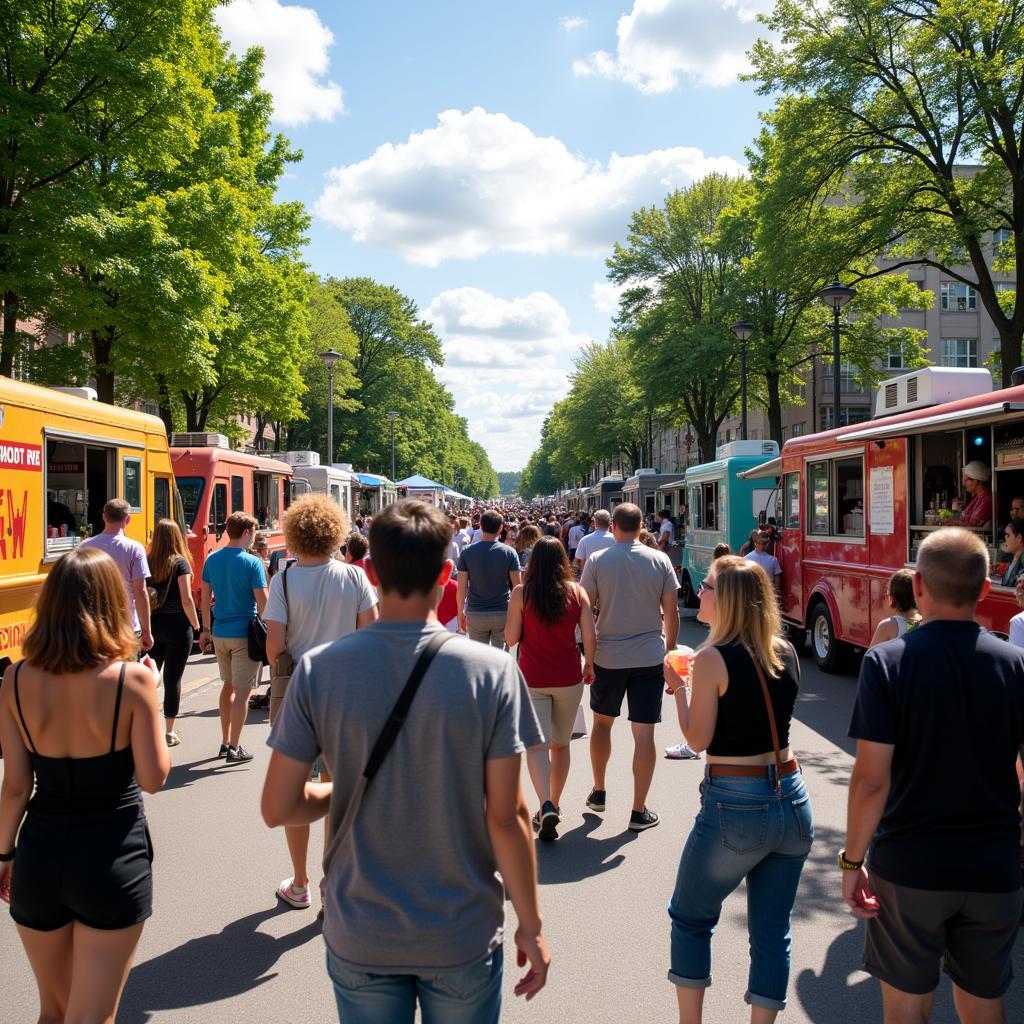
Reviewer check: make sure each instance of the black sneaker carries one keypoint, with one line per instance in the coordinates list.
(224, 748)
(238, 755)
(549, 820)
(596, 800)
(641, 820)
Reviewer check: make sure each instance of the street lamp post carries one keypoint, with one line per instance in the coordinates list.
(743, 329)
(835, 296)
(392, 416)
(330, 357)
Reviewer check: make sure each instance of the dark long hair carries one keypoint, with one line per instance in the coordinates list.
(548, 576)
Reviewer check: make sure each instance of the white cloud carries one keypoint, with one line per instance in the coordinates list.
(502, 365)
(659, 40)
(480, 182)
(296, 44)
(606, 296)
(570, 24)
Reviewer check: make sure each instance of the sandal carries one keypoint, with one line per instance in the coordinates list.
(297, 898)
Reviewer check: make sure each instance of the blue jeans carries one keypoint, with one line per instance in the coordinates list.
(470, 996)
(743, 830)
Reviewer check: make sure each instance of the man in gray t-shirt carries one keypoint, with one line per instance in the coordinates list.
(634, 589)
(488, 572)
(410, 891)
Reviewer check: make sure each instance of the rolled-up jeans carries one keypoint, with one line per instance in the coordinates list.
(469, 996)
(744, 829)
(487, 627)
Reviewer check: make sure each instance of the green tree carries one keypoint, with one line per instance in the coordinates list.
(881, 104)
(508, 483)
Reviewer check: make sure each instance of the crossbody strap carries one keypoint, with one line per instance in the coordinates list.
(771, 722)
(287, 607)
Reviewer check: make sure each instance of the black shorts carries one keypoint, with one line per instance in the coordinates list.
(971, 934)
(642, 688)
(98, 873)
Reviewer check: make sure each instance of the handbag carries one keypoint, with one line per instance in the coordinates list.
(284, 664)
(388, 735)
(257, 640)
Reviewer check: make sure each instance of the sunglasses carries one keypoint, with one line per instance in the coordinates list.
(705, 586)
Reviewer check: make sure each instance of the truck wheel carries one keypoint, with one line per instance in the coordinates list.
(828, 652)
(688, 597)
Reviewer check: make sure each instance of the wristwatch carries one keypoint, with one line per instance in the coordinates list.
(849, 865)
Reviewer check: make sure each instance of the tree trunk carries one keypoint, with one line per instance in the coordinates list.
(9, 343)
(1009, 347)
(191, 400)
(164, 401)
(278, 427)
(774, 381)
(261, 425)
(102, 348)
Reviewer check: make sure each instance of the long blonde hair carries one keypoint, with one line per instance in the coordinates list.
(165, 549)
(746, 612)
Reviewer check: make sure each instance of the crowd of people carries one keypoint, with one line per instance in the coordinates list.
(414, 659)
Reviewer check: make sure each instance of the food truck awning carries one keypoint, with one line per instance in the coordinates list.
(997, 412)
(771, 468)
(673, 484)
(418, 482)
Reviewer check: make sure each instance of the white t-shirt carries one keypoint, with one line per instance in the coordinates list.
(461, 539)
(596, 541)
(1017, 630)
(324, 602)
(769, 563)
(666, 528)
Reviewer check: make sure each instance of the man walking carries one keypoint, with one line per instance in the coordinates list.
(396, 937)
(576, 534)
(943, 885)
(237, 580)
(488, 570)
(666, 532)
(130, 556)
(600, 539)
(764, 558)
(634, 589)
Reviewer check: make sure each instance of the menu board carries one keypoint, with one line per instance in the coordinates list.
(883, 501)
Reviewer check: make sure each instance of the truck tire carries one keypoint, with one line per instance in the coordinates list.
(829, 652)
(687, 595)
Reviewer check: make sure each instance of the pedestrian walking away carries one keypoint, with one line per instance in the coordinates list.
(754, 822)
(932, 855)
(237, 580)
(543, 616)
(447, 767)
(488, 570)
(312, 602)
(600, 539)
(173, 614)
(81, 733)
(634, 589)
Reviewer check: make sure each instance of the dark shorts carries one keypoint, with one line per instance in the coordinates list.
(97, 873)
(642, 688)
(970, 934)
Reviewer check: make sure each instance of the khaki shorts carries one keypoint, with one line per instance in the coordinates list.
(236, 667)
(556, 711)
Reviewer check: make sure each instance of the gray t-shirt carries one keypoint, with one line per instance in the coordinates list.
(488, 563)
(323, 604)
(627, 582)
(412, 888)
(596, 541)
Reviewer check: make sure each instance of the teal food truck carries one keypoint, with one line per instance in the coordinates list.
(722, 508)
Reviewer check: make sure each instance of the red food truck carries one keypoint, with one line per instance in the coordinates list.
(214, 481)
(854, 504)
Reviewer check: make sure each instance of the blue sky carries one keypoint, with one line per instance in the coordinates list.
(484, 158)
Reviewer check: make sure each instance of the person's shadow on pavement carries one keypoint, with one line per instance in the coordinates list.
(208, 969)
(575, 855)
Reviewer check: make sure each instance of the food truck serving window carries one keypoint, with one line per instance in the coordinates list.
(835, 497)
(79, 479)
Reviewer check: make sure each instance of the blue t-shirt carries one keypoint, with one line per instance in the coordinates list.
(233, 574)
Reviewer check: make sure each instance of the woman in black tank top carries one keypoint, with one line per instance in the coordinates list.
(79, 724)
(755, 816)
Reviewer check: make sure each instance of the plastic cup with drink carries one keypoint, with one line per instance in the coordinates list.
(679, 661)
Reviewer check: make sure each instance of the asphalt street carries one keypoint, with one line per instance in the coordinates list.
(220, 947)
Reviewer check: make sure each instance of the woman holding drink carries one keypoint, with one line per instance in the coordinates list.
(755, 820)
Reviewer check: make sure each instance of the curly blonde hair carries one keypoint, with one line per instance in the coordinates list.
(314, 526)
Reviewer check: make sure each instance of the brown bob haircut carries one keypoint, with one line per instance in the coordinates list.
(314, 526)
(409, 541)
(953, 564)
(82, 616)
(628, 517)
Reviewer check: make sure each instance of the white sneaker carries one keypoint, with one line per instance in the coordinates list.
(682, 752)
(172, 738)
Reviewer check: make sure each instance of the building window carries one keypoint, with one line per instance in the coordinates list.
(956, 297)
(847, 415)
(799, 429)
(895, 361)
(1000, 237)
(785, 434)
(959, 352)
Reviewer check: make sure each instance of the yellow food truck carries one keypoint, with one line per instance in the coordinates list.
(61, 458)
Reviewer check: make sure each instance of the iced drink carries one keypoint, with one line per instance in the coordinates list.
(679, 660)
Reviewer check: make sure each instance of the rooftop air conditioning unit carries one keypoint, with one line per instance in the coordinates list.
(89, 394)
(199, 441)
(932, 385)
(346, 466)
(298, 458)
(734, 449)
(643, 472)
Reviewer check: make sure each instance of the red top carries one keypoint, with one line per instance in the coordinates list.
(548, 655)
(978, 511)
(448, 609)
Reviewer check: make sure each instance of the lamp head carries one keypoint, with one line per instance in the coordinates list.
(330, 357)
(836, 295)
(743, 329)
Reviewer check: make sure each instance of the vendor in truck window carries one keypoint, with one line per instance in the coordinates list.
(979, 508)
(1017, 508)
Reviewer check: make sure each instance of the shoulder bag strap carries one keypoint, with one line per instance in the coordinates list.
(771, 721)
(388, 735)
(287, 607)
